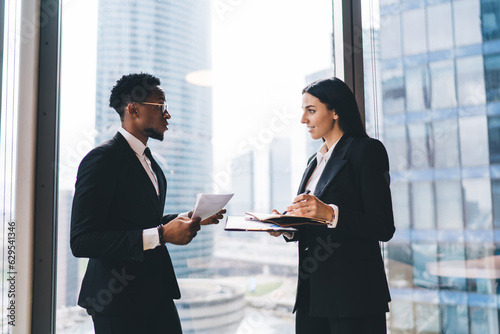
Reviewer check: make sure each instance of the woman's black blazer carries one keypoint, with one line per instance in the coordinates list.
(343, 266)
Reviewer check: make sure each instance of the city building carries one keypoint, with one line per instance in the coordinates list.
(159, 37)
(280, 174)
(439, 62)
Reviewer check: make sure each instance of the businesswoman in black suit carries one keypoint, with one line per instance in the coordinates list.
(342, 286)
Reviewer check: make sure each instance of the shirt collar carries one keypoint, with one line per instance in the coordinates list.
(324, 152)
(134, 143)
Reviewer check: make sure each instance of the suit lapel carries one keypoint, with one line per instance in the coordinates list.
(334, 165)
(307, 174)
(137, 167)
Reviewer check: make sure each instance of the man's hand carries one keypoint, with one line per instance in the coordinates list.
(181, 230)
(213, 219)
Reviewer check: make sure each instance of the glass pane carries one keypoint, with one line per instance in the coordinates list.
(235, 127)
(449, 205)
(495, 197)
(467, 22)
(494, 138)
(417, 89)
(492, 77)
(446, 148)
(471, 81)
(422, 195)
(394, 91)
(490, 18)
(413, 29)
(390, 34)
(440, 26)
(401, 205)
(478, 211)
(473, 141)
(397, 147)
(443, 85)
(441, 136)
(421, 150)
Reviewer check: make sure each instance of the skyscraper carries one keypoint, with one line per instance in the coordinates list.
(169, 39)
(439, 64)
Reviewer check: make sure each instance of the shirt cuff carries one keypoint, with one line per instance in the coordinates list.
(150, 238)
(333, 223)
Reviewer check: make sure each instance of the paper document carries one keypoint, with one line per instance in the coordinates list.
(285, 220)
(240, 223)
(209, 204)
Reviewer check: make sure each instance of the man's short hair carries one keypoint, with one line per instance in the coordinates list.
(135, 87)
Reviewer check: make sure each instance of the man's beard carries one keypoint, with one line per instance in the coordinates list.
(154, 134)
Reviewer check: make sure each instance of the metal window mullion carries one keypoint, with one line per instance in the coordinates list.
(46, 173)
(353, 51)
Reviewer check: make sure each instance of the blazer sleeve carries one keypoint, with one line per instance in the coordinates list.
(94, 234)
(373, 219)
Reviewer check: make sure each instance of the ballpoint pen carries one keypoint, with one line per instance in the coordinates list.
(305, 192)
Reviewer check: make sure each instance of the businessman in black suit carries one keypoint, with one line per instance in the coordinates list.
(342, 286)
(117, 220)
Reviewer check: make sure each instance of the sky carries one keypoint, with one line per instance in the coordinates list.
(261, 53)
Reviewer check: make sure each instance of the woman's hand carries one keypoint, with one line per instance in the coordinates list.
(310, 206)
(275, 233)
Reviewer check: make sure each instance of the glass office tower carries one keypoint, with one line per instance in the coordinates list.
(439, 67)
(169, 39)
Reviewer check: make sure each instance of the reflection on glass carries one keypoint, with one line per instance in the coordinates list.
(483, 320)
(471, 81)
(455, 319)
(424, 253)
(467, 22)
(414, 28)
(490, 16)
(449, 204)
(427, 318)
(402, 316)
(421, 145)
(417, 89)
(397, 147)
(393, 91)
(451, 266)
(495, 197)
(442, 84)
(478, 212)
(492, 77)
(422, 202)
(473, 141)
(445, 139)
(494, 138)
(401, 265)
(401, 205)
(451, 82)
(390, 34)
(440, 27)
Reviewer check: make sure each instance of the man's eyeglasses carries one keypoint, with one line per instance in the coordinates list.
(161, 107)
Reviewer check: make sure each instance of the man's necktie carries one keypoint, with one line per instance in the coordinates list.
(154, 165)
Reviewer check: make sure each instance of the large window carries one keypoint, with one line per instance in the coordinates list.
(233, 79)
(443, 264)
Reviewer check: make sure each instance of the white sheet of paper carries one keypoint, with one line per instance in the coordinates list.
(209, 204)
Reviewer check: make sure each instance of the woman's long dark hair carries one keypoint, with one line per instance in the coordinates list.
(335, 94)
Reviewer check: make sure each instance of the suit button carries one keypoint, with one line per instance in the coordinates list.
(307, 248)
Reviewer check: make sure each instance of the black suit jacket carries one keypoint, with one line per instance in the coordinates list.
(114, 202)
(343, 266)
